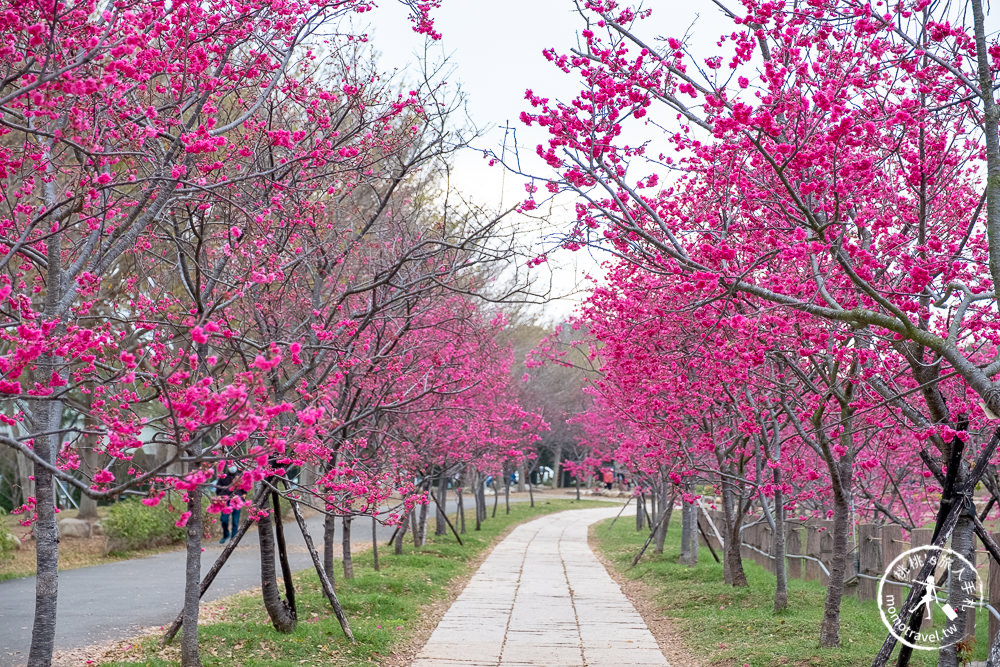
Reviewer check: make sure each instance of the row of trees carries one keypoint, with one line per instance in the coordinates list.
(801, 310)
(225, 241)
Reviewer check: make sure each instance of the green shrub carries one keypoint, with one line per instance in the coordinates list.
(8, 543)
(131, 525)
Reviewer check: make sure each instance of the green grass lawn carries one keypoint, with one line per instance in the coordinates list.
(728, 626)
(384, 607)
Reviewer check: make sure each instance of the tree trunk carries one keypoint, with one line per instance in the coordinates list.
(962, 542)
(829, 630)
(345, 542)
(440, 526)
(89, 459)
(48, 418)
(666, 505)
(689, 534)
(286, 569)
(780, 563)
(46, 560)
(460, 501)
(520, 478)
(375, 542)
(732, 568)
(506, 494)
(401, 533)
(556, 465)
(192, 582)
(496, 497)
(329, 534)
(238, 533)
(282, 615)
(640, 512)
(479, 496)
(531, 494)
(420, 537)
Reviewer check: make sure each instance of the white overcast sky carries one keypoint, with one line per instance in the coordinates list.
(496, 52)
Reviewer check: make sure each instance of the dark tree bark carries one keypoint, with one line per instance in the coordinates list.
(556, 465)
(734, 511)
(640, 512)
(286, 568)
(420, 534)
(780, 563)
(329, 534)
(48, 417)
(440, 527)
(192, 582)
(375, 542)
(506, 493)
(345, 538)
(829, 631)
(962, 542)
(281, 613)
(666, 505)
(479, 499)
(212, 573)
(401, 533)
(689, 533)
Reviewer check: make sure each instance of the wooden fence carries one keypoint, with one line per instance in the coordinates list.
(877, 547)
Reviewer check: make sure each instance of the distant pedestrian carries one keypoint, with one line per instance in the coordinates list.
(609, 478)
(224, 487)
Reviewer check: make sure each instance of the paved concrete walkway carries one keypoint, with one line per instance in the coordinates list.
(542, 598)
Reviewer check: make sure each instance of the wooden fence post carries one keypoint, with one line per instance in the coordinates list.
(793, 547)
(892, 547)
(812, 568)
(869, 559)
(994, 594)
(826, 551)
(920, 537)
(767, 546)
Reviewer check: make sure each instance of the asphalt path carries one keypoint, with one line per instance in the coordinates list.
(117, 600)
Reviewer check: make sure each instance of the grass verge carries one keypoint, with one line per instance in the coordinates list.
(733, 627)
(385, 608)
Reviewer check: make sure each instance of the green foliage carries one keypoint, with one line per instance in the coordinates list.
(736, 626)
(8, 543)
(131, 525)
(384, 608)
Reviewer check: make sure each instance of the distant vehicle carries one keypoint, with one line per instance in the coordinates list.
(542, 475)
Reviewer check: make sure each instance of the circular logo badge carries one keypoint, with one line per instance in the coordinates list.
(941, 618)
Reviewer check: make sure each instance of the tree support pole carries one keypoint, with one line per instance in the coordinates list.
(446, 519)
(620, 512)
(214, 571)
(946, 525)
(331, 594)
(635, 561)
